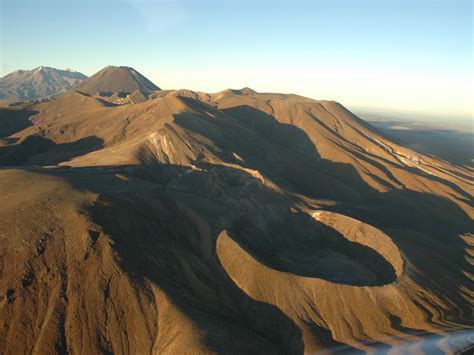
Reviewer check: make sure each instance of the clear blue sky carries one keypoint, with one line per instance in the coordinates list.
(406, 55)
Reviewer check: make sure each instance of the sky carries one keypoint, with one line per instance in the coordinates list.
(412, 56)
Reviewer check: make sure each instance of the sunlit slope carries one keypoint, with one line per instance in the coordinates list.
(234, 222)
(114, 79)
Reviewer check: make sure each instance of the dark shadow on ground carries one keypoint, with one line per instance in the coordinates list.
(13, 121)
(158, 240)
(299, 245)
(291, 163)
(164, 222)
(156, 223)
(292, 138)
(416, 222)
(40, 151)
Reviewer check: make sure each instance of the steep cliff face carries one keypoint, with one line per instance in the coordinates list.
(234, 222)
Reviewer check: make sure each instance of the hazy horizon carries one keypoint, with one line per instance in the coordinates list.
(403, 56)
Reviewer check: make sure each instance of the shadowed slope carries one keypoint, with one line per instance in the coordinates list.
(12, 121)
(264, 223)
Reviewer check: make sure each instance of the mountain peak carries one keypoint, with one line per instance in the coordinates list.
(39, 82)
(247, 91)
(117, 79)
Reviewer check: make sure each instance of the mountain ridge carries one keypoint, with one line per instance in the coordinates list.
(231, 222)
(40, 82)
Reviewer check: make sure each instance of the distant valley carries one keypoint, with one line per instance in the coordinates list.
(452, 140)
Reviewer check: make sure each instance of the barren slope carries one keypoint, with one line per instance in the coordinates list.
(113, 79)
(234, 222)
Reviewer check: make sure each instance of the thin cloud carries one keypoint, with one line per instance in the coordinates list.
(159, 15)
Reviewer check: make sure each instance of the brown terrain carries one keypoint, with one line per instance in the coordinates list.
(116, 80)
(236, 223)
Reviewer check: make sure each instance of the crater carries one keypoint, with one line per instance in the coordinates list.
(326, 246)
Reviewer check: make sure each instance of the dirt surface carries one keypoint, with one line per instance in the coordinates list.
(234, 222)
